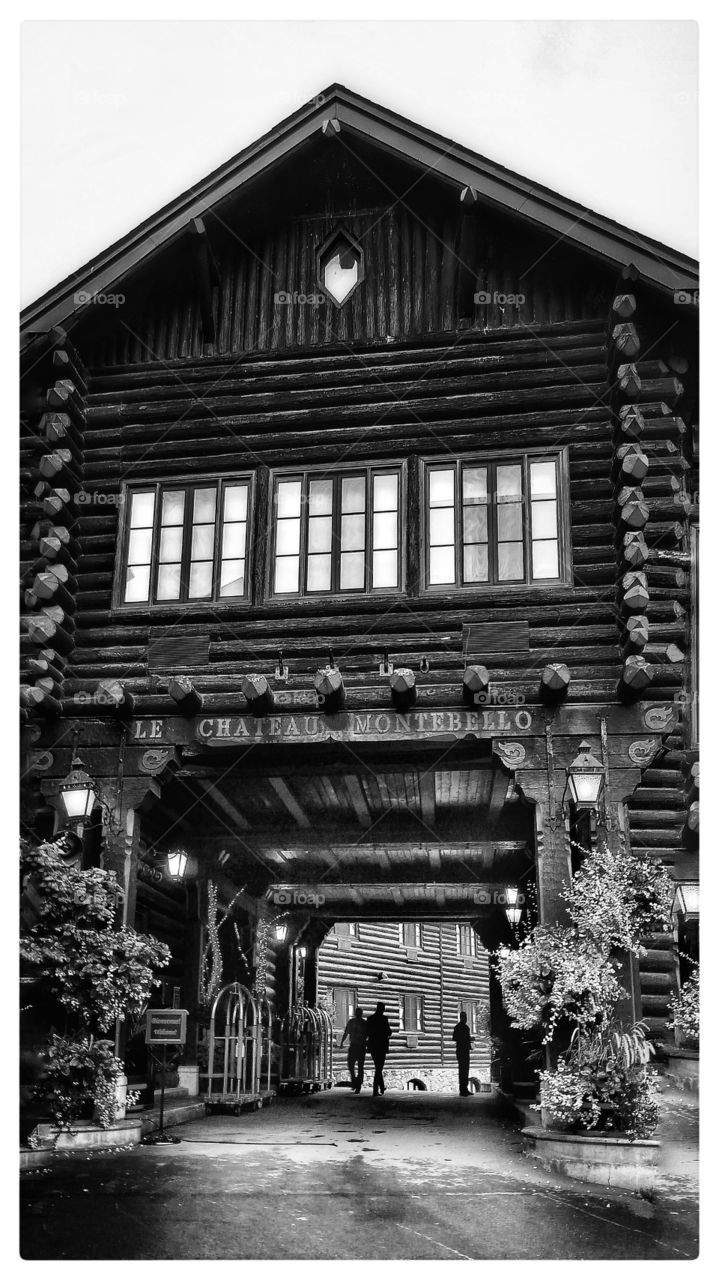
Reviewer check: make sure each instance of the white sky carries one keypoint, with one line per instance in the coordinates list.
(119, 117)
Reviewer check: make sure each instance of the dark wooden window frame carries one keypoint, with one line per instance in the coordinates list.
(412, 946)
(492, 460)
(337, 474)
(472, 953)
(340, 232)
(418, 996)
(215, 601)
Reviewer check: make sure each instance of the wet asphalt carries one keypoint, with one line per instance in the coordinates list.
(335, 1176)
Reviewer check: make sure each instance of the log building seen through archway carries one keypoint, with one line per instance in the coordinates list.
(359, 490)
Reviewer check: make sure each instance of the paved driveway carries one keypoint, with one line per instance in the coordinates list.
(339, 1176)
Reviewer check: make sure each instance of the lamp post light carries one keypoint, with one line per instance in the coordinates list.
(280, 933)
(513, 910)
(177, 865)
(78, 794)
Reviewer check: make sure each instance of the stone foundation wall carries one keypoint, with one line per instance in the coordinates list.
(435, 1079)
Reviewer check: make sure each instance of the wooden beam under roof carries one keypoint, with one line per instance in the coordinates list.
(427, 800)
(357, 799)
(497, 795)
(221, 802)
(283, 793)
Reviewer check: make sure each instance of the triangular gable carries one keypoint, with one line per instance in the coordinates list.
(499, 188)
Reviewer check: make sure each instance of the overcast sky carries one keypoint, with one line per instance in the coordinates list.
(119, 117)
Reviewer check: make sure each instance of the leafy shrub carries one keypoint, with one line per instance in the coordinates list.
(685, 1012)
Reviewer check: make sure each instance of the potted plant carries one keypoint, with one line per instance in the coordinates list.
(92, 973)
(564, 982)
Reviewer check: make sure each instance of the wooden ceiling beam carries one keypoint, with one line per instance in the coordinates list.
(295, 810)
(357, 799)
(222, 804)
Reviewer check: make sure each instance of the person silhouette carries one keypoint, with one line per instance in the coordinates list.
(379, 1032)
(356, 1029)
(463, 1042)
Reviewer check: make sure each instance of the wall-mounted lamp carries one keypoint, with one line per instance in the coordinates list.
(177, 865)
(686, 901)
(585, 778)
(280, 933)
(78, 793)
(302, 952)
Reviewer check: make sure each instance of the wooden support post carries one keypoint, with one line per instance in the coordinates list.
(330, 690)
(554, 683)
(260, 698)
(467, 254)
(475, 685)
(206, 274)
(403, 688)
(183, 692)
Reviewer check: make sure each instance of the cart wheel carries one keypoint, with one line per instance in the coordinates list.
(258, 1105)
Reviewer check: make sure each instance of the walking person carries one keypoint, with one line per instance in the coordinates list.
(463, 1042)
(378, 1037)
(356, 1031)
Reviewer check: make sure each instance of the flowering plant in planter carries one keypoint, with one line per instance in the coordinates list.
(566, 976)
(685, 1012)
(93, 973)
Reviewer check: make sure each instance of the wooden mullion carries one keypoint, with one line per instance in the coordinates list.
(155, 546)
(187, 544)
(217, 556)
(527, 522)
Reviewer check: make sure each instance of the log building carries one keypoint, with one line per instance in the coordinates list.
(359, 499)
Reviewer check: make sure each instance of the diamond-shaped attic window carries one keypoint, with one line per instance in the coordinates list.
(341, 267)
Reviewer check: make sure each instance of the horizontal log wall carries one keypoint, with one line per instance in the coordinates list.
(476, 393)
(377, 948)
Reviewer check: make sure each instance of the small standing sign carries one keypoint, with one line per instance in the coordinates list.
(163, 1027)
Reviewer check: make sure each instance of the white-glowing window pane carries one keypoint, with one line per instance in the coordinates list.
(545, 559)
(204, 509)
(200, 579)
(320, 497)
(352, 566)
(236, 502)
(475, 524)
(384, 533)
(142, 511)
(384, 497)
(441, 526)
(288, 537)
(320, 534)
(319, 573)
(340, 273)
(544, 520)
(543, 479)
(509, 482)
(289, 498)
(234, 538)
(384, 569)
(353, 494)
(441, 488)
(171, 544)
(203, 542)
(232, 578)
(173, 506)
(168, 582)
(139, 547)
(474, 484)
(287, 575)
(509, 522)
(353, 532)
(441, 565)
(476, 563)
(510, 561)
(137, 586)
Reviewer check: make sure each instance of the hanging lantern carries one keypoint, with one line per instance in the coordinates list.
(78, 793)
(585, 778)
(177, 864)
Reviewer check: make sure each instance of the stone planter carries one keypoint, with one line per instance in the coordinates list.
(608, 1160)
(682, 1069)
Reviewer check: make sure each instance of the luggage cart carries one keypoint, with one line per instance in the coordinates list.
(306, 1051)
(239, 1066)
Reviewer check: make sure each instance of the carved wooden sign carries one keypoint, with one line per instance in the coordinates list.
(368, 726)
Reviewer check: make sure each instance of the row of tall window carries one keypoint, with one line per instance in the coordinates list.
(411, 935)
(345, 532)
(410, 1011)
